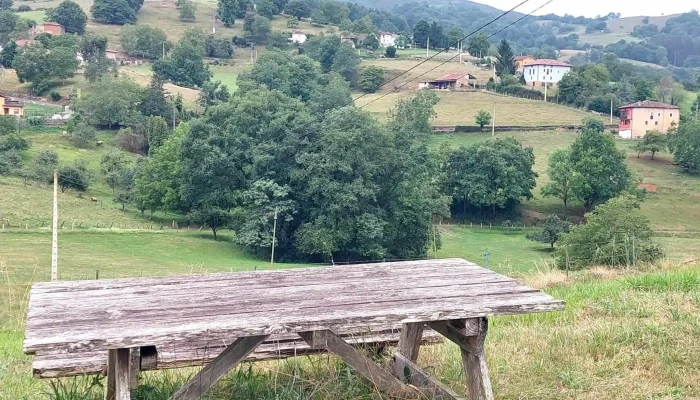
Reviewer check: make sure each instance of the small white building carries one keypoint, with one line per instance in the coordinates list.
(545, 71)
(298, 37)
(387, 39)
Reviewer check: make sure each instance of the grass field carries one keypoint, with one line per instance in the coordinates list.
(459, 108)
(426, 71)
(619, 29)
(34, 15)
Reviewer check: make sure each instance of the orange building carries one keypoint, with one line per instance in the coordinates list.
(11, 107)
(522, 61)
(638, 118)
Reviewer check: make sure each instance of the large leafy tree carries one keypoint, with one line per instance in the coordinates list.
(653, 142)
(332, 93)
(298, 8)
(684, 144)
(495, 174)
(346, 63)
(154, 102)
(144, 41)
(111, 102)
(117, 12)
(479, 45)
(37, 65)
(437, 36)
(70, 15)
(8, 23)
(295, 76)
(505, 60)
(7, 55)
(371, 78)
(550, 230)
(227, 12)
(600, 168)
(561, 176)
(184, 67)
(6, 4)
(421, 32)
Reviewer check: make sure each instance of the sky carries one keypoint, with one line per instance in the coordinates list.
(591, 8)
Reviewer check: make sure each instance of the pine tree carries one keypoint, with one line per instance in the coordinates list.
(154, 103)
(505, 60)
(227, 12)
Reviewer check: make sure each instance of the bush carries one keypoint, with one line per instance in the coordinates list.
(390, 52)
(10, 161)
(43, 166)
(371, 78)
(24, 8)
(84, 136)
(131, 141)
(75, 177)
(482, 118)
(36, 122)
(55, 96)
(616, 234)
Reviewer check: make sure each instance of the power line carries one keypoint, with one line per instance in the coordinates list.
(443, 50)
(453, 57)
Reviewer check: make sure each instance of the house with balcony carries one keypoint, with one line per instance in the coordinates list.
(543, 71)
(10, 106)
(637, 119)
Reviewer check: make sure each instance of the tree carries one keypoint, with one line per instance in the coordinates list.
(219, 48)
(551, 230)
(421, 32)
(84, 136)
(346, 63)
(185, 66)
(505, 60)
(615, 234)
(75, 177)
(261, 29)
(390, 52)
(7, 55)
(70, 15)
(158, 132)
(479, 45)
(437, 35)
(371, 43)
(653, 142)
(8, 23)
(298, 9)
(6, 4)
(100, 67)
(601, 171)
(188, 11)
(113, 165)
(248, 21)
(266, 8)
(227, 12)
(336, 11)
(63, 63)
(561, 175)
(111, 102)
(454, 36)
(38, 66)
(483, 118)
(144, 41)
(213, 93)
(44, 165)
(332, 93)
(280, 5)
(296, 76)
(684, 144)
(10, 162)
(154, 102)
(371, 78)
(117, 12)
(493, 174)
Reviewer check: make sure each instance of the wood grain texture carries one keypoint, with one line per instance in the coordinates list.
(460, 336)
(197, 354)
(212, 372)
(100, 315)
(111, 372)
(377, 376)
(408, 372)
(409, 343)
(122, 390)
(474, 360)
(134, 368)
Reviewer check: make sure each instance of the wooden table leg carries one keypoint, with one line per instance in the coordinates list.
(409, 341)
(111, 375)
(215, 370)
(470, 336)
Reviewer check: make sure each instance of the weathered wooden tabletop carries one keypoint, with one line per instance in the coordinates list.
(82, 316)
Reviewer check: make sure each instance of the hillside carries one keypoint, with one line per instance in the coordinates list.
(619, 29)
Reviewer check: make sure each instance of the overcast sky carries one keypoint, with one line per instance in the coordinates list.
(591, 8)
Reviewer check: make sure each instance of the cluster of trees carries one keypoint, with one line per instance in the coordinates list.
(184, 65)
(70, 15)
(334, 55)
(117, 12)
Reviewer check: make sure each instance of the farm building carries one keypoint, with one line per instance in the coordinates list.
(52, 28)
(122, 58)
(387, 39)
(638, 118)
(449, 81)
(298, 37)
(545, 71)
(9, 106)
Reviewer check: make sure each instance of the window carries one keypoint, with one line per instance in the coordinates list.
(671, 115)
(651, 116)
(659, 114)
(646, 122)
(656, 123)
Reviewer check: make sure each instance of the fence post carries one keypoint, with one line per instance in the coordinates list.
(634, 252)
(566, 250)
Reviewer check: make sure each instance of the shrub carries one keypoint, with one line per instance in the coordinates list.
(131, 141)
(55, 96)
(10, 161)
(390, 52)
(24, 8)
(371, 78)
(84, 136)
(43, 166)
(482, 118)
(36, 121)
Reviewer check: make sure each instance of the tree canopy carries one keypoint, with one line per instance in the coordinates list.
(70, 15)
(505, 60)
(117, 12)
(684, 144)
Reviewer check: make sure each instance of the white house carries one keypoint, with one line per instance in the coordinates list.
(387, 39)
(298, 37)
(545, 71)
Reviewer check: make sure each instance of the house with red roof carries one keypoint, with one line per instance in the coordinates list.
(53, 28)
(449, 81)
(543, 71)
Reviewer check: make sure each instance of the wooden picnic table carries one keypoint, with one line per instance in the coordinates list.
(453, 297)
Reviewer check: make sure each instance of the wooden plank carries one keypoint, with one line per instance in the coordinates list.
(404, 369)
(121, 380)
(198, 353)
(134, 368)
(210, 374)
(378, 377)
(110, 380)
(409, 342)
(460, 336)
(197, 306)
(134, 333)
(474, 360)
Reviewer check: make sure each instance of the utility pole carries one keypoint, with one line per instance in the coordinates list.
(274, 235)
(174, 108)
(493, 121)
(545, 92)
(164, 50)
(611, 111)
(54, 241)
(213, 23)
(427, 48)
